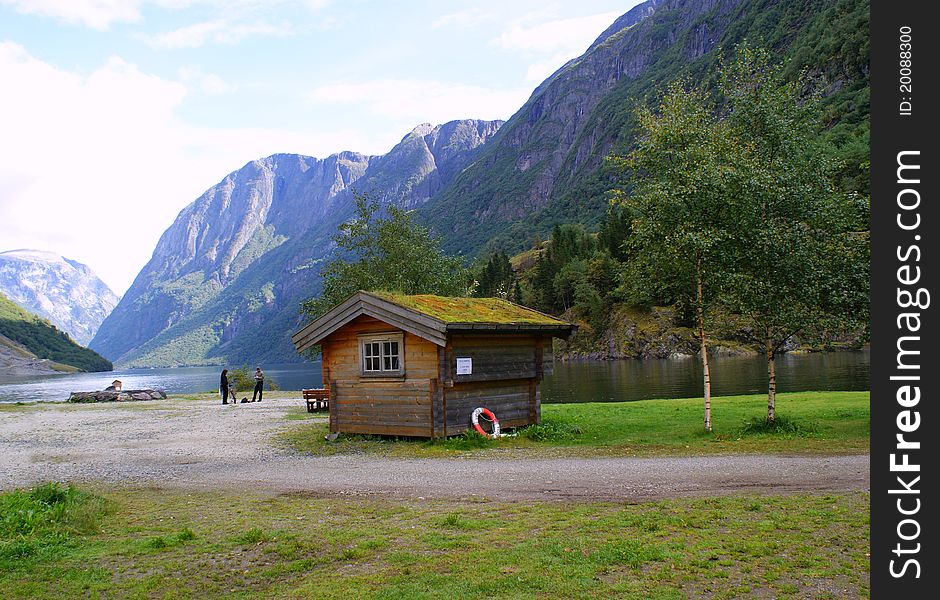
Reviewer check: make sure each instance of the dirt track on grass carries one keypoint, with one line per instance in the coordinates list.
(201, 444)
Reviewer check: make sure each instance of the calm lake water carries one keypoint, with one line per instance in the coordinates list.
(580, 381)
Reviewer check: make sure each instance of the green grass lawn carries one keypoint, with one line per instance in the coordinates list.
(814, 422)
(157, 543)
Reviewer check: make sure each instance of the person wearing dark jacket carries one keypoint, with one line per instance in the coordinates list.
(223, 386)
(259, 385)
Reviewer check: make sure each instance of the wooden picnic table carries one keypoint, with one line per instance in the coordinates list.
(317, 399)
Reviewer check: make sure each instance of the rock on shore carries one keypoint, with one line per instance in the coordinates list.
(122, 396)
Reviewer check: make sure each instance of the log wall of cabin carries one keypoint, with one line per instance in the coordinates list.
(507, 369)
(380, 405)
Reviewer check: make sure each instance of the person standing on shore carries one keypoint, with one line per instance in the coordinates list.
(259, 385)
(223, 386)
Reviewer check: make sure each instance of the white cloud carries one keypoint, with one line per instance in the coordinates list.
(190, 36)
(541, 69)
(417, 100)
(554, 42)
(570, 35)
(462, 19)
(97, 14)
(207, 83)
(96, 167)
(218, 31)
(101, 14)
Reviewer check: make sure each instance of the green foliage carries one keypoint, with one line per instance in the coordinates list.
(242, 379)
(826, 38)
(495, 278)
(44, 340)
(800, 260)
(579, 270)
(734, 206)
(470, 440)
(781, 425)
(561, 267)
(551, 430)
(42, 523)
(614, 232)
(252, 536)
(684, 195)
(393, 253)
(469, 310)
(165, 542)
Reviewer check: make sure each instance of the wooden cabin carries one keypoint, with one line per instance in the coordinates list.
(419, 365)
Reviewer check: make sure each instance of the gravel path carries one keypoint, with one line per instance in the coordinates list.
(202, 444)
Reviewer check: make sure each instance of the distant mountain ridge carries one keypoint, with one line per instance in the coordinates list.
(64, 291)
(227, 278)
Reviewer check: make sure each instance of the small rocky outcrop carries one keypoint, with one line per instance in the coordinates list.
(114, 396)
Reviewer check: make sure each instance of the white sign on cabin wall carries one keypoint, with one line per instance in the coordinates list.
(464, 366)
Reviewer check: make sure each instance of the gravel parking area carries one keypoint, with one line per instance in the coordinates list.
(202, 444)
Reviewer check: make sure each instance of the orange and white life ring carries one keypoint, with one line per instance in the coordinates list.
(489, 416)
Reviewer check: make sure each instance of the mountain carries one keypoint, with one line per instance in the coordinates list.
(546, 164)
(30, 344)
(64, 291)
(227, 278)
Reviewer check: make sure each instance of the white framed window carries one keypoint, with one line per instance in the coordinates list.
(382, 354)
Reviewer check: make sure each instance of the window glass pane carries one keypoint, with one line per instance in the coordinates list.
(370, 352)
(381, 355)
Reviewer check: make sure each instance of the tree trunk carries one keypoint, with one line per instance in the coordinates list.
(771, 383)
(700, 317)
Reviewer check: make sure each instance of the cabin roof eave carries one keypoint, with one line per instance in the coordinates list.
(362, 303)
(413, 321)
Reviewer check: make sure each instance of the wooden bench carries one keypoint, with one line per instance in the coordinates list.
(317, 399)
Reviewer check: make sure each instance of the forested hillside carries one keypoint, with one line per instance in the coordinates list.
(45, 341)
(576, 256)
(547, 165)
(228, 278)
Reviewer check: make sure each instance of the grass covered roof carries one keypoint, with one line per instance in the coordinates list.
(470, 310)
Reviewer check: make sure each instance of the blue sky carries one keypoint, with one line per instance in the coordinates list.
(115, 114)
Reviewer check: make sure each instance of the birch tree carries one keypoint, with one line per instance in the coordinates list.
(802, 257)
(685, 188)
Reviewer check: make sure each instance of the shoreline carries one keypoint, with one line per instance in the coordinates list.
(197, 443)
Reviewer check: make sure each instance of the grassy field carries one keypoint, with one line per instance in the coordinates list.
(810, 422)
(155, 543)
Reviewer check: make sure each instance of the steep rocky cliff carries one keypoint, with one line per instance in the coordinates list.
(546, 164)
(64, 291)
(227, 278)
